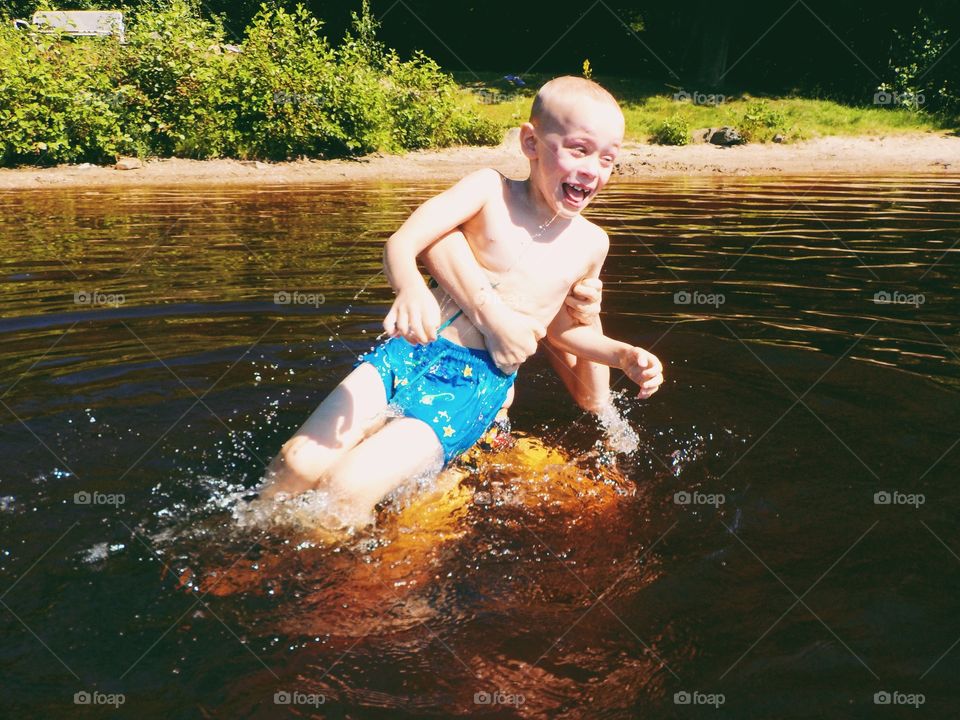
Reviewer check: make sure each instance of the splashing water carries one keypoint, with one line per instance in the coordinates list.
(620, 436)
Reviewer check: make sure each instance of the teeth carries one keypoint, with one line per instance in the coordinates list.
(583, 190)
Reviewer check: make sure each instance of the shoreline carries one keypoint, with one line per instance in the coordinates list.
(907, 153)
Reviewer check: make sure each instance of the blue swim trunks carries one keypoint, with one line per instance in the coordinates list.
(456, 390)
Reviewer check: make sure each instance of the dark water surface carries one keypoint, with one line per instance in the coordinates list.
(145, 362)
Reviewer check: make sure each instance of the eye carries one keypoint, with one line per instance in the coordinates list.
(607, 160)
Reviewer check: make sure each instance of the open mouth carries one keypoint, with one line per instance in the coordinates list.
(576, 194)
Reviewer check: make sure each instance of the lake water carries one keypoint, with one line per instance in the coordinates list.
(783, 544)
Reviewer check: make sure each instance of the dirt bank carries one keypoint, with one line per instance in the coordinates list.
(892, 154)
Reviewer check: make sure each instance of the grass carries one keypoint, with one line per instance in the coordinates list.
(646, 108)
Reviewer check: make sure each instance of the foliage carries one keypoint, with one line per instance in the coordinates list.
(917, 79)
(172, 88)
(58, 102)
(760, 122)
(284, 89)
(177, 88)
(674, 130)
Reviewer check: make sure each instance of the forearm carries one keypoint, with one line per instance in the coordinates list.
(400, 261)
(452, 263)
(433, 220)
(587, 343)
(587, 382)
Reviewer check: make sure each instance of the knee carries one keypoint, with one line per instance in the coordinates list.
(592, 402)
(300, 457)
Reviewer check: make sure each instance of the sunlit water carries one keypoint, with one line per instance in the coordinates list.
(734, 548)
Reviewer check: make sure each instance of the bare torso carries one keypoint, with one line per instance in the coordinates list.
(532, 262)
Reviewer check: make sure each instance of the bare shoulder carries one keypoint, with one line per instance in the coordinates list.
(596, 236)
(485, 180)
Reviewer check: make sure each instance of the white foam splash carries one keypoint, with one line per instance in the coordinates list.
(309, 510)
(620, 436)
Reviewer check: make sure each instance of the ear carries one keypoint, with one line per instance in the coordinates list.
(528, 141)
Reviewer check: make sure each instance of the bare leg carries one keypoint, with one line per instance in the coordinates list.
(402, 449)
(588, 382)
(355, 408)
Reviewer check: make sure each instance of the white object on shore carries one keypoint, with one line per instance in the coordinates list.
(81, 23)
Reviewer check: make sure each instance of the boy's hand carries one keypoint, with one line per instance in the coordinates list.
(512, 338)
(643, 368)
(583, 302)
(415, 315)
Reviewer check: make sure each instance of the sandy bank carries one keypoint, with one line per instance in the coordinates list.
(892, 154)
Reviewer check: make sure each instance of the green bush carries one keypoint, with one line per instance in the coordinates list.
(284, 89)
(57, 100)
(917, 80)
(175, 90)
(760, 123)
(673, 131)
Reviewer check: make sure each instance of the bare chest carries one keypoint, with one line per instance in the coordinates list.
(532, 272)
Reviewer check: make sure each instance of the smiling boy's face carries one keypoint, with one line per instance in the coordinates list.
(572, 147)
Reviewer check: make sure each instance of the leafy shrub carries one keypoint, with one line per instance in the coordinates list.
(760, 123)
(673, 131)
(284, 89)
(917, 78)
(174, 90)
(57, 100)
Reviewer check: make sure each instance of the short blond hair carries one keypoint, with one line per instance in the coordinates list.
(564, 89)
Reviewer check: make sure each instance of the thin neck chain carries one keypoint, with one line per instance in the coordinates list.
(541, 229)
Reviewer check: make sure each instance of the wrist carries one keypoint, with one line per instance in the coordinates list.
(409, 283)
(622, 353)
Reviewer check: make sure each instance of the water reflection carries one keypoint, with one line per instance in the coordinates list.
(805, 374)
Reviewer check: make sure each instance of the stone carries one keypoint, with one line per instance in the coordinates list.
(778, 138)
(725, 136)
(128, 163)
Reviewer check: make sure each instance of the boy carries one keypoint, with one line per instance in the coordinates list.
(533, 246)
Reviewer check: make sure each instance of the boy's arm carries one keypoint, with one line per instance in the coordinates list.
(510, 337)
(586, 342)
(415, 311)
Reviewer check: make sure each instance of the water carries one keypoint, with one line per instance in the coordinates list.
(738, 551)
